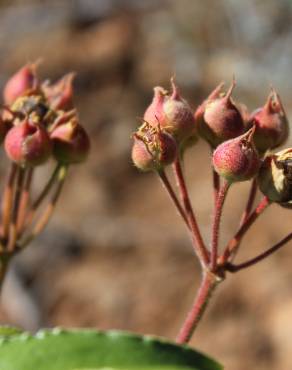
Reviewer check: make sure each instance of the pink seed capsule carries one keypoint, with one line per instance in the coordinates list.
(20, 83)
(28, 144)
(272, 128)
(221, 120)
(172, 113)
(237, 159)
(153, 149)
(60, 93)
(71, 143)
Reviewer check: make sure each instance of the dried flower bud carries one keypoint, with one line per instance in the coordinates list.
(221, 120)
(271, 124)
(60, 94)
(32, 106)
(172, 113)
(70, 142)
(20, 83)
(275, 177)
(237, 159)
(153, 149)
(28, 144)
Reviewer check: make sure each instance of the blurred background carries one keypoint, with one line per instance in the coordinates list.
(116, 254)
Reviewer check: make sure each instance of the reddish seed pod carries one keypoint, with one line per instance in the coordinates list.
(272, 128)
(28, 144)
(275, 177)
(20, 83)
(237, 159)
(153, 149)
(60, 94)
(172, 113)
(200, 111)
(71, 143)
(221, 120)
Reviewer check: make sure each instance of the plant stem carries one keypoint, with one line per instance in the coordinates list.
(234, 268)
(198, 243)
(12, 227)
(171, 193)
(46, 215)
(208, 284)
(7, 200)
(24, 200)
(234, 243)
(216, 224)
(43, 194)
(250, 202)
(216, 184)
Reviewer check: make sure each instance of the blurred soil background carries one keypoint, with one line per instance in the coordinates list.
(116, 254)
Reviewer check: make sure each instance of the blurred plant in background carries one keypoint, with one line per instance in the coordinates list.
(38, 122)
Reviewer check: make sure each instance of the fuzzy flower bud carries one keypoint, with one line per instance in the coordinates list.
(70, 142)
(60, 94)
(271, 124)
(153, 149)
(28, 144)
(218, 119)
(20, 83)
(237, 159)
(275, 177)
(172, 113)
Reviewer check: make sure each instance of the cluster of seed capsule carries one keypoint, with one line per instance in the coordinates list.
(241, 142)
(39, 120)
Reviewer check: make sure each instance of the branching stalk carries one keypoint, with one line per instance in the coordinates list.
(253, 261)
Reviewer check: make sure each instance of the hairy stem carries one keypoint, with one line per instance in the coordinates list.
(216, 224)
(208, 284)
(216, 184)
(172, 195)
(253, 261)
(198, 243)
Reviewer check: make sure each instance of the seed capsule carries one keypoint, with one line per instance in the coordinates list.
(28, 144)
(153, 149)
(70, 142)
(20, 83)
(172, 113)
(275, 177)
(272, 128)
(219, 119)
(237, 159)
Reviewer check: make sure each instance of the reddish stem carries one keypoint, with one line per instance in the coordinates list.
(234, 268)
(234, 243)
(12, 227)
(198, 243)
(7, 200)
(216, 224)
(171, 193)
(216, 184)
(208, 284)
(250, 202)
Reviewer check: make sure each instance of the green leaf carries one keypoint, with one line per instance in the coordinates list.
(96, 350)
